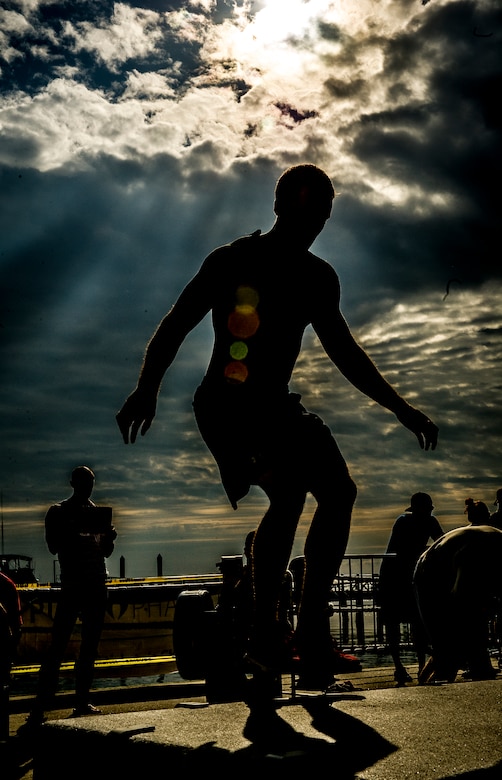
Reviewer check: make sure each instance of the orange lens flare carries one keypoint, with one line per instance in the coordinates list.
(243, 322)
(236, 372)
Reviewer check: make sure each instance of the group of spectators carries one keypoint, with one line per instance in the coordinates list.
(448, 593)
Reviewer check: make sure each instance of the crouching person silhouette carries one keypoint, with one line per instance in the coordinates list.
(263, 290)
(82, 536)
(458, 585)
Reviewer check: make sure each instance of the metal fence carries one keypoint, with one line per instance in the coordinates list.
(356, 622)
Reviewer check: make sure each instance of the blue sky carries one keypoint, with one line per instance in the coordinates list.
(136, 137)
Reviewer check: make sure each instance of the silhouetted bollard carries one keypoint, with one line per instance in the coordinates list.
(159, 565)
(4, 712)
(122, 567)
(345, 628)
(380, 633)
(360, 627)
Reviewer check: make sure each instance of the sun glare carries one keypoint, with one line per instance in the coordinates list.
(282, 19)
(270, 40)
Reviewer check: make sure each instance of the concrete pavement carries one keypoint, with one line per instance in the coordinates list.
(424, 733)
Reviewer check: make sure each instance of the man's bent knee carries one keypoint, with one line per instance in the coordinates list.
(340, 493)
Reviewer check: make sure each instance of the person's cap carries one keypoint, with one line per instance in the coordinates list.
(420, 501)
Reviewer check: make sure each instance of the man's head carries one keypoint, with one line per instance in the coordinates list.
(498, 499)
(421, 503)
(82, 481)
(304, 197)
(302, 186)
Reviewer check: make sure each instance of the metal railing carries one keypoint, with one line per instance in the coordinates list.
(356, 622)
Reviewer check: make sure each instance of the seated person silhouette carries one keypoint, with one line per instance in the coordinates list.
(477, 512)
(263, 290)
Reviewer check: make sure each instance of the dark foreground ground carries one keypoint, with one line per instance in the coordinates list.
(372, 731)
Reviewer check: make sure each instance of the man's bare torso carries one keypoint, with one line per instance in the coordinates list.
(262, 298)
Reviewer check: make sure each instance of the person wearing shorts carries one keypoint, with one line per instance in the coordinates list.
(263, 290)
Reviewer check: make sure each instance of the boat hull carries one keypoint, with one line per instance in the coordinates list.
(138, 622)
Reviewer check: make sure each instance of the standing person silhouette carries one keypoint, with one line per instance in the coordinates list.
(82, 536)
(409, 537)
(263, 290)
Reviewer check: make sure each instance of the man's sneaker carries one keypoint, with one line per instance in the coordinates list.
(486, 672)
(322, 661)
(315, 681)
(85, 709)
(271, 650)
(344, 662)
(401, 676)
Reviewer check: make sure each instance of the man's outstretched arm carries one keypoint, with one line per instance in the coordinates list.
(139, 409)
(355, 364)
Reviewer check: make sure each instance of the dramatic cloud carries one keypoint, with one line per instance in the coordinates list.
(136, 137)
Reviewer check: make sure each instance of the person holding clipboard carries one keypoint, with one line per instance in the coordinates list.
(81, 534)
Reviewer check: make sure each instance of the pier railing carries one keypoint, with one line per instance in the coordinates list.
(356, 622)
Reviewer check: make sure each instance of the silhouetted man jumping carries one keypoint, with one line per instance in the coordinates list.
(263, 290)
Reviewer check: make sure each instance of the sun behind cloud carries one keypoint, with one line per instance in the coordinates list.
(266, 36)
(280, 19)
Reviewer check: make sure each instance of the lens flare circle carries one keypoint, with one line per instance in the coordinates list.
(238, 350)
(243, 322)
(236, 372)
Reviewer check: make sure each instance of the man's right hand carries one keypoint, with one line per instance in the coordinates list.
(423, 428)
(137, 412)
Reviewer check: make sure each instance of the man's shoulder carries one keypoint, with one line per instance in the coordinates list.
(61, 508)
(250, 239)
(243, 246)
(56, 516)
(226, 253)
(241, 242)
(322, 266)
(57, 507)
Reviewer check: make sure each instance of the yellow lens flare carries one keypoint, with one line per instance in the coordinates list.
(247, 296)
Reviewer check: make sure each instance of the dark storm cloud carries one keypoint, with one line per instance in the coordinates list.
(445, 145)
(345, 89)
(98, 261)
